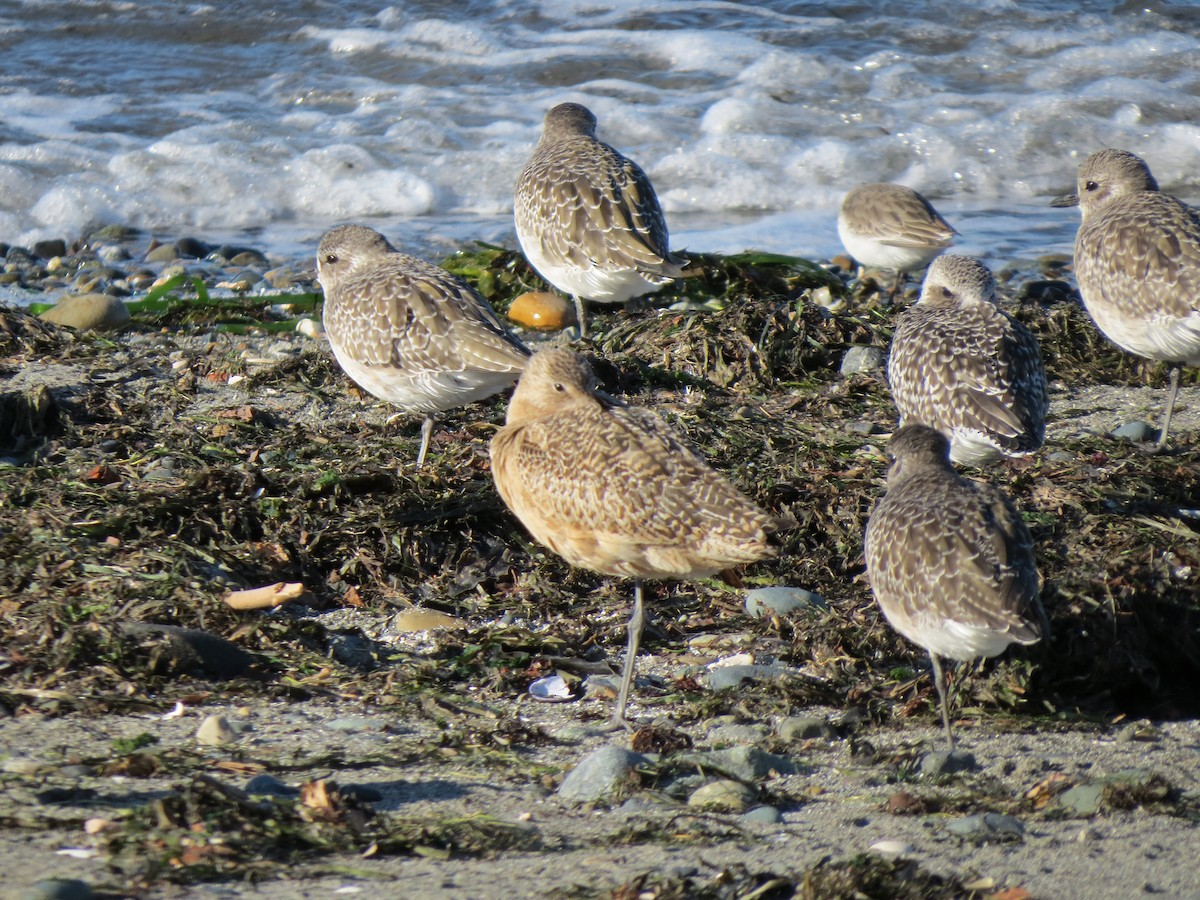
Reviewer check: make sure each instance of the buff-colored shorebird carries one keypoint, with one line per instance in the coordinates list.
(409, 332)
(614, 489)
(950, 560)
(890, 226)
(960, 364)
(587, 217)
(1137, 262)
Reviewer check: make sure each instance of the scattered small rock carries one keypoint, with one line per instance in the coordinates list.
(724, 795)
(83, 311)
(780, 601)
(762, 815)
(600, 774)
(542, 310)
(862, 360)
(892, 849)
(1136, 431)
(983, 827)
(946, 762)
(215, 731)
(803, 728)
(723, 678)
(745, 764)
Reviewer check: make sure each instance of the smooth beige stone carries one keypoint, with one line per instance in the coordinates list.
(84, 311)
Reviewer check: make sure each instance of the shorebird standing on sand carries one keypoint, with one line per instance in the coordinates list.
(587, 217)
(950, 560)
(960, 364)
(1137, 263)
(614, 489)
(409, 332)
(890, 226)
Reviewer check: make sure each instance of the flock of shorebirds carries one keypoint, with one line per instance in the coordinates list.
(613, 488)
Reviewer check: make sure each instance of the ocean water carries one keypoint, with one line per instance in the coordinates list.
(270, 122)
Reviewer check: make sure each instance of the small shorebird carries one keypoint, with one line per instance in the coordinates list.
(614, 489)
(587, 217)
(950, 560)
(890, 226)
(1137, 262)
(960, 364)
(409, 332)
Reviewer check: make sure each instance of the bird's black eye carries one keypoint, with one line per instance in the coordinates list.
(1091, 186)
(331, 258)
(946, 292)
(558, 386)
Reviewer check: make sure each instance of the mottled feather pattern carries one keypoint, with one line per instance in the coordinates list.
(616, 490)
(960, 364)
(410, 332)
(602, 211)
(951, 562)
(896, 215)
(1137, 258)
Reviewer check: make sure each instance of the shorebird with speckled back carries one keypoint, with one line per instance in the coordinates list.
(950, 560)
(1137, 263)
(614, 489)
(890, 226)
(409, 332)
(587, 217)
(960, 364)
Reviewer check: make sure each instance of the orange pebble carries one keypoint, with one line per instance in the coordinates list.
(542, 309)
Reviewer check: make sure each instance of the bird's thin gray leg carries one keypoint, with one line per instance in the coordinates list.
(580, 317)
(940, 680)
(1172, 393)
(634, 630)
(426, 433)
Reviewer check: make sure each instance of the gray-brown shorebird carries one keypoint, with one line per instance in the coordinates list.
(409, 332)
(950, 560)
(960, 364)
(1137, 263)
(587, 217)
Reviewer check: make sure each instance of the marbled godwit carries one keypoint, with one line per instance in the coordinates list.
(614, 489)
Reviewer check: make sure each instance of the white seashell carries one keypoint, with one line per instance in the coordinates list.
(551, 689)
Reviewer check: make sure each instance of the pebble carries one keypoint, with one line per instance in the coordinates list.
(744, 764)
(762, 602)
(601, 773)
(58, 889)
(22, 765)
(724, 678)
(1136, 431)
(49, 249)
(946, 762)
(354, 651)
(215, 731)
(192, 247)
(762, 815)
(542, 310)
(419, 619)
(724, 795)
(804, 728)
(862, 360)
(991, 826)
(84, 311)
(310, 327)
(734, 735)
